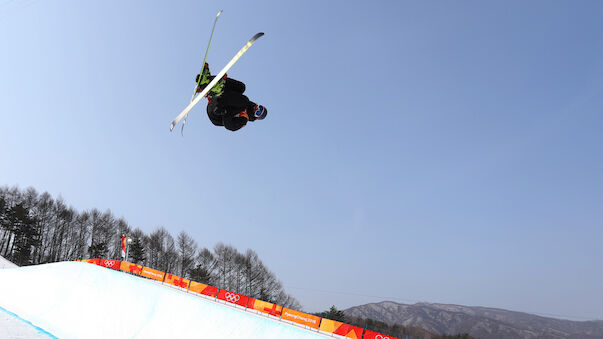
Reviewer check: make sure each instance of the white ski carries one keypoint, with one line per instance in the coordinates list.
(211, 35)
(215, 80)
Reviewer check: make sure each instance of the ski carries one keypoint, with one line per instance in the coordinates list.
(211, 35)
(215, 80)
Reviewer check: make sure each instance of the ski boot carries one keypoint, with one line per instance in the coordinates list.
(218, 89)
(206, 78)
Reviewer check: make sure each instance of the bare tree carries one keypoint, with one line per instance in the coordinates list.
(78, 236)
(187, 247)
(205, 266)
(225, 265)
(162, 250)
(102, 228)
(44, 211)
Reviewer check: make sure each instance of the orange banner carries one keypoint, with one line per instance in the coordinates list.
(176, 280)
(376, 335)
(265, 307)
(336, 327)
(129, 267)
(301, 318)
(92, 261)
(203, 289)
(152, 274)
(108, 263)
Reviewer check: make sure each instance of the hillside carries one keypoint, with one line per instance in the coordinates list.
(480, 322)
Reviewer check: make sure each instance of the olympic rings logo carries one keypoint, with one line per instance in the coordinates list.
(231, 297)
(379, 336)
(109, 263)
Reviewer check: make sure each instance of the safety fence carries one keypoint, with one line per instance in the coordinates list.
(277, 312)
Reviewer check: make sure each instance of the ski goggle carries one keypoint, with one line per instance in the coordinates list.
(260, 112)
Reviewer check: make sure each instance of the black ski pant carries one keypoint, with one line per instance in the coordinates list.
(230, 109)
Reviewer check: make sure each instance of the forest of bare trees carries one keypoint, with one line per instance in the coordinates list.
(36, 229)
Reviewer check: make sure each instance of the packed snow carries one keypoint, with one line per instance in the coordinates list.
(80, 300)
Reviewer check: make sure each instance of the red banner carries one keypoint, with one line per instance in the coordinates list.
(108, 263)
(203, 289)
(176, 280)
(265, 307)
(123, 245)
(233, 297)
(376, 335)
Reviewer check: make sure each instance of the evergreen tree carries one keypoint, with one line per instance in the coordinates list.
(137, 251)
(26, 236)
(98, 250)
(333, 313)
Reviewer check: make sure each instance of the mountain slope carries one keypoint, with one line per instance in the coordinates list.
(481, 322)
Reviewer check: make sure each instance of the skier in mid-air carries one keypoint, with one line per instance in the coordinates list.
(227, 105)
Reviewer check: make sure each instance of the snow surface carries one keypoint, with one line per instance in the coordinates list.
(6, 264)
(13, 327)
(81, 300)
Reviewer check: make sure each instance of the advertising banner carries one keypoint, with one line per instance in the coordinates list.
(336, 327)
(233, 297)
(176, 280)
(376, 335)
(152, 273)
(92, 261)
(265, 307)
(130, 267)
(301, 318)
(108, 263)
(203, 289)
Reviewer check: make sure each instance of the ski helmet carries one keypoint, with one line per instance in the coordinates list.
(260, 112)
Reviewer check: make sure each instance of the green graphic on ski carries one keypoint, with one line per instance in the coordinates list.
(215, 80)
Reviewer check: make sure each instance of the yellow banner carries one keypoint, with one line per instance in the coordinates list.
(176, 280)
(301, 318)
(152, 274)
(130, 267)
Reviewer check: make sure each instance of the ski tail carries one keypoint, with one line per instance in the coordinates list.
(215, 80)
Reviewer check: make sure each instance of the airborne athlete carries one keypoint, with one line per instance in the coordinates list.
(227, 105)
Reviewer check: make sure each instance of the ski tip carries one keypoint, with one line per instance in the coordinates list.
(257, 36)
(220, 12)
(172, 126)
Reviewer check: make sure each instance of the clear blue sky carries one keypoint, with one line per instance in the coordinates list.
(413, 151)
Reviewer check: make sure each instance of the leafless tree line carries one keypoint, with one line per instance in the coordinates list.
(37, 229)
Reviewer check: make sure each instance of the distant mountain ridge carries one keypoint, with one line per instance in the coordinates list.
(479, 322)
